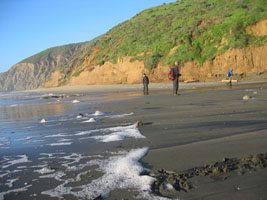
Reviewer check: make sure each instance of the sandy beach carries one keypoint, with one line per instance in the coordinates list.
(205, 124)
(201, 127)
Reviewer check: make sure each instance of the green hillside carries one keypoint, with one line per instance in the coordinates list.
(185, 30)
(196, 27)
(199, 29)
(66, 51)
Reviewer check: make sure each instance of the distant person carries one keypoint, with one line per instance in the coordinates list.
(230, 75)
(174, 76)
(145, 84)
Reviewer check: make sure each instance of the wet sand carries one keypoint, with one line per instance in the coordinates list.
(204, 124)
(201, 127)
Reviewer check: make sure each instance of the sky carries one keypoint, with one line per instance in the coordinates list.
(28, 27)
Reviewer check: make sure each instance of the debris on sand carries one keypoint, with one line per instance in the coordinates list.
(54, 96)
(246, 97)
(98, 113)
(43, 120)
(218, 170)
(75, 101)
(80, 115)
(139, 123)
(45, 170)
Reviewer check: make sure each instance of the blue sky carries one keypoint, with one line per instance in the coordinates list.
(31, 26)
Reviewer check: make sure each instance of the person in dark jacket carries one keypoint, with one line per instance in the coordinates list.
(145, 84)
(175, 78)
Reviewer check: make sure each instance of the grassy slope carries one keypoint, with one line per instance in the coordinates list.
(201, 29)
(66, 50)
(195, 26)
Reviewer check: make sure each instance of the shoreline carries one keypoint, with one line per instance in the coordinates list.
(139, 87)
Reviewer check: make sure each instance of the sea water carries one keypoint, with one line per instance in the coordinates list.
(56, 147)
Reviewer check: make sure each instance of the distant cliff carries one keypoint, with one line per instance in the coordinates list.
(36, 70)
(207, 36)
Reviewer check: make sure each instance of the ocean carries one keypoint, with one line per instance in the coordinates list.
(62, 146)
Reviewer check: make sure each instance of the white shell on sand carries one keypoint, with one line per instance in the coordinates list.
(75, 101)
(97, 113)
(43, 120)
(91, 120)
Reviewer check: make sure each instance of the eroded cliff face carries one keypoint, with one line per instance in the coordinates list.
(47, 73)
(28, 76)
(242, 61)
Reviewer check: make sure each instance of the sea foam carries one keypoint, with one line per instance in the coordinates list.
(121, 115)
(60, 144)
(10, 161)
(2, 194)
(119, 133)
(120, 171)
(114, 133)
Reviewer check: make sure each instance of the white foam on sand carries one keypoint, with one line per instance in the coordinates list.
(75, 159)
(3, 175)
(98, 113)
(75, 101)
(57, 135)
(60, 144)
(50, 155)
(114, 133)
(120, 171)
(90, 120)
(45, 170)
(119, 133)
(27, 138)
(4, 141)
(120, 116)
(10, 161)
(64, 140)
(2, 194)
(58, 176)
(9, 182)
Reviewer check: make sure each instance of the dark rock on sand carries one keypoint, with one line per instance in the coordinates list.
(58, 96)
(168, 181)
(139, 123)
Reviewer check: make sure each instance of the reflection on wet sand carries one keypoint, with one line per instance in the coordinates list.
(185, 89)
(33, 111)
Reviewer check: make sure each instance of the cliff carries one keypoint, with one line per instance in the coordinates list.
(36, 70)
(206, 36)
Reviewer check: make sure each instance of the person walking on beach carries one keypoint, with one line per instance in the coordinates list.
(174, 76)
(145, 84)
(230, 75)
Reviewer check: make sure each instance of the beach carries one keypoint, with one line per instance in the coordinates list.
(102, 154)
